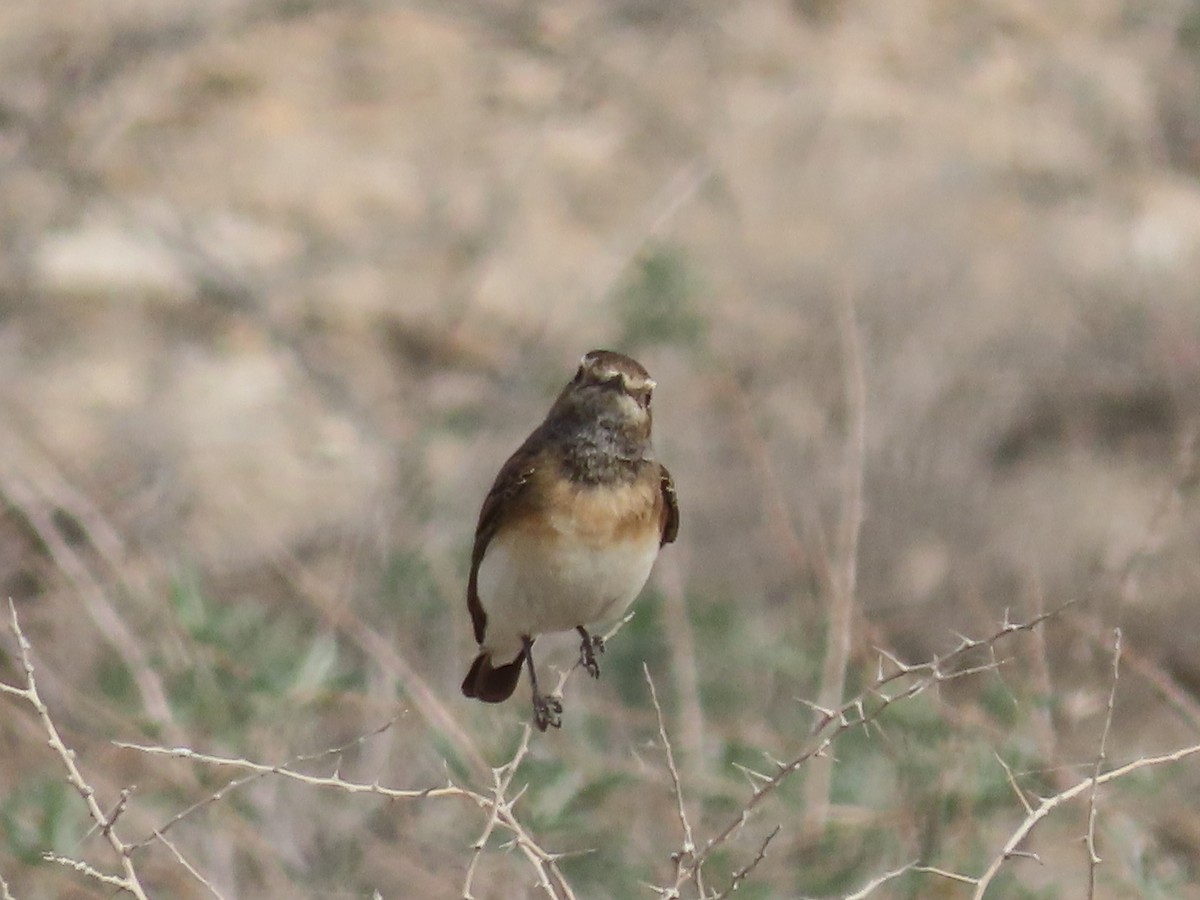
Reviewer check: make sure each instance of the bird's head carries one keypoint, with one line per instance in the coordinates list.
(611, 390)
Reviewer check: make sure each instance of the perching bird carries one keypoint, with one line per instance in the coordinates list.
(568, 533)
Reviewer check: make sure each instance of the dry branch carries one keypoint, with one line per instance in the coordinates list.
(1049, 804)
(683, 857)
(843, 567)
(878, 881)
(192, 870)
(860, 711)
(35, 505)
(1101, 755)
(221, 793)
(128, 881)
(496, 804)
(743, 873)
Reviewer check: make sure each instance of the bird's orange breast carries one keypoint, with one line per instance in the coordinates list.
(597, 515)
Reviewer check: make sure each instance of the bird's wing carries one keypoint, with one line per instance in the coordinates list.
(507, 497)
(670, 527)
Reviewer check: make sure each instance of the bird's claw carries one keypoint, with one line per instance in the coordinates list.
(589, 648)
(547, 712)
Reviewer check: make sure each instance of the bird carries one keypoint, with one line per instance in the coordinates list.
(569, 531)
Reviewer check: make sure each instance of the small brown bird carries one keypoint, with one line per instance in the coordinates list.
(569, 531)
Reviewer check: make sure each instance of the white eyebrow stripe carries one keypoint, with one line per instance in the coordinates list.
(630, 380)
(638, 383)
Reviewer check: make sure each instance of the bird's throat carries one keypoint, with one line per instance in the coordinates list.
(602, 456)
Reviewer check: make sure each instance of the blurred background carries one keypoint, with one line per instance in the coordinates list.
(282, 284)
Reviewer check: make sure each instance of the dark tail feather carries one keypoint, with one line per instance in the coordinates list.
(492, 684)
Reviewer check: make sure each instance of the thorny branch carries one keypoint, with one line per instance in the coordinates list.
(230, 786)
(862, 710)
(682, 857)
(497, 805)
(550, 878)
(191, 870)
(128, 881)
(501, 808)
(1101, 755)
(741, 874)
(1049, 804)
(895, 682)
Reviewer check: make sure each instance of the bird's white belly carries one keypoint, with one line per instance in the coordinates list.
(535, 582)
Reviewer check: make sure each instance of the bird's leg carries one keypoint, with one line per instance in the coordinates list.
(547, 711)
(591, 645)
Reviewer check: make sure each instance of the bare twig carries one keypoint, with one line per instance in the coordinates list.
(863, 709)
(844, 565)
(689, 734)
(1175, 694)
(129, 881)
(5, 892)
(232, 785)
(33, 505)
(741, 874)
(502, 778)
(1049, 804)
(162, 838)
(662, 208)
(943, 873)
(549, 875)
(682, 857)
(111, 819)
(1042, 720)
(1012, 782)
(332, 781)
(878, 881)
(90, 871)
(1101, 754)
(544, 863)
(1186, 471)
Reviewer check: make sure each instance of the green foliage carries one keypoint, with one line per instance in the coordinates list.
(43, 814)
(642, 640)
(408, 591)
(250, 663)
(115, 682)
(837, 862)
(336, 863)
(654, 304)
(463, 421)
(1188, 34)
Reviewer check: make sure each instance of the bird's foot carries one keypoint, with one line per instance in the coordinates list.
(589, 648)
(547, 712)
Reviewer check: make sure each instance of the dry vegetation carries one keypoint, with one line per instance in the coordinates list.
(281, 284)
